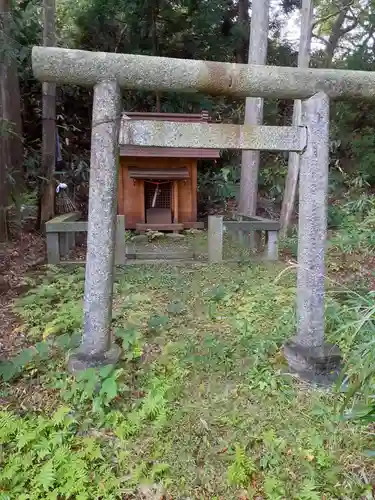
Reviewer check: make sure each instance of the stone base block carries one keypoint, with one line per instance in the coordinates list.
(80, 361)
(320, 365)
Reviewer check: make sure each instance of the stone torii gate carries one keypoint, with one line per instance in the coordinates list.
(307, 353)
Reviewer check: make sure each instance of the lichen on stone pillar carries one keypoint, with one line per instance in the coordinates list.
(97, 348)
(307, 353)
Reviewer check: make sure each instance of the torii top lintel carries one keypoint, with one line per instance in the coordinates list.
(80, 67)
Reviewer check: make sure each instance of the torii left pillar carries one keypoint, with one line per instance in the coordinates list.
(97, 347)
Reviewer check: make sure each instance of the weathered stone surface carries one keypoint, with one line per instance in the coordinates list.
(321, 364)
(175, 236)
(140, 237)
(155, 235)
(307, 353)
(96, 344)
(215, 238)
(212, 136)
(79, 67)
(81, 361)
(272, 251)
(312, 224)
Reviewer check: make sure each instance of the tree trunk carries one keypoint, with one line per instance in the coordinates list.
(254, 106)
(47, 209)
(155, 46)
(294, 158)
(243, 25)
(336, 33)
(11, 150)
(16, 138)
(4, 157)
(303, 62)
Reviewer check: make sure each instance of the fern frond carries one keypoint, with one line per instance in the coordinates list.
(62, 455)
(309, 492)
(90, 449)
(59, 417)
(42, 447)
(12, 469)
(26, 438)
(46, 476)
(130, 427)
(239, 473)
(9, 426)
(75, 476)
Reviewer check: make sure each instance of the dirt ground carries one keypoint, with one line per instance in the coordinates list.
(19, 259)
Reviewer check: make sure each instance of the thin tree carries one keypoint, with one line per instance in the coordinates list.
(243, 27)
(340, 12)
(11, 147)
(3, 131)
(337, 15)
(3, 160)
(293, 164)
(258, 44)
(47, 208)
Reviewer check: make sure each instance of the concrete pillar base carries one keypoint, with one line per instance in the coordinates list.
(81, 361)
(320, 365)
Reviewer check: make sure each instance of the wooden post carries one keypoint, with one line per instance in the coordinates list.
(143, 205)
(240, 236)
(66, 239)
(53, 248)
(240, 233)
(120, 248)
(175, 202)
(64, 244)
(215, 238)
(71, 240)
(272, 251)
(254, 240)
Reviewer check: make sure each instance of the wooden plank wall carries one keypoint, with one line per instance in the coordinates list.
(131, 192)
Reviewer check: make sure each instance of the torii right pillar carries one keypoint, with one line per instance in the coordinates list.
(307, 353)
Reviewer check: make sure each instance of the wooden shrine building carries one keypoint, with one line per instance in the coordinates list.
(158, 185)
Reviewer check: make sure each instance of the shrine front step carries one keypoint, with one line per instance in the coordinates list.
(160, 255)
(140, 227)
(159, 227)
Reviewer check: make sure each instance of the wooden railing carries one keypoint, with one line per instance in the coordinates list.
(61, 237)
(62, 229)
(241, 228)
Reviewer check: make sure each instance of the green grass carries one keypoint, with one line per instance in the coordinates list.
(198, 407)
(195, 243)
